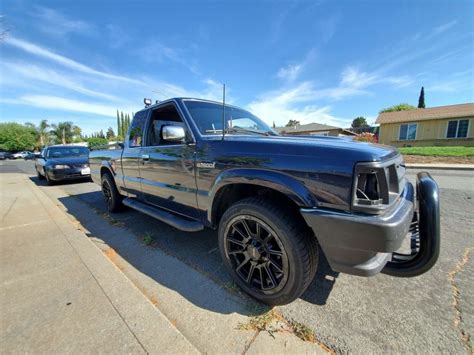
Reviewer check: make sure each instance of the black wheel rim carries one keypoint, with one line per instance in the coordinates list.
(256, 254)
(107, 192)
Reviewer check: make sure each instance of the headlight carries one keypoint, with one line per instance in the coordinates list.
(377, 185)
(61, 166)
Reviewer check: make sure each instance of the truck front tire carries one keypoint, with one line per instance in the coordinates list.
(112, 197)
(270, 254)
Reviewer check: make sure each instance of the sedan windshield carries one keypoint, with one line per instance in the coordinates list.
(208, 118)
(65, 152)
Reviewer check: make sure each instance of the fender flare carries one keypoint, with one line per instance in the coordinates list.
(288, 185)
(107, 165)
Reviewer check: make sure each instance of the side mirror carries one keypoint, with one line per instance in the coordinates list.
(173, 133)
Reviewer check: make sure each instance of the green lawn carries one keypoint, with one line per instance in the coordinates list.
(439, 151)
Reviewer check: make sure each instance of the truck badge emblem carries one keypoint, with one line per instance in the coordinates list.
(206, 165)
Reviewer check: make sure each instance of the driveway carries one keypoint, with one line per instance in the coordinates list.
(430, 313)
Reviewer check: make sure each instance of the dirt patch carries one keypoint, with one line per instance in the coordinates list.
(112, 255)
(274, 322)
(421, 159)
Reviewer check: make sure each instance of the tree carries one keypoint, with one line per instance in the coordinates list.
(119, 128)
(64, 132)
(95, 142)
(43, 133)
(421, 99)
(16, 137)
(128, 124)
(292, 123)
(399, 107)
(274, 124)
(122, 124)
(359, 122)
(110, 134)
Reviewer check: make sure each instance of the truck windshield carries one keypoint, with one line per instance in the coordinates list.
(65, 152)
(208, 119)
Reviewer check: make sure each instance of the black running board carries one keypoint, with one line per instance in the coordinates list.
(173, 220)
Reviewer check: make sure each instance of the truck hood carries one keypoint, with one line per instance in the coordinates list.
(310, 146)
(323, 166)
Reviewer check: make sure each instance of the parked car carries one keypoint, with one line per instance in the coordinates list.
(19, 155)
(5, 155)
(63, 162)
(30, 156)
(277, 202)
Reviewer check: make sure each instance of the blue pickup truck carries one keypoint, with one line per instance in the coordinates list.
(276, 201)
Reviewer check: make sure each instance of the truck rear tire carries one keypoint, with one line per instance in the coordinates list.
(112, 197)
(270, 254)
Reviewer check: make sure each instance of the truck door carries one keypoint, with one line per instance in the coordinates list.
(131, 154)
(167, 168)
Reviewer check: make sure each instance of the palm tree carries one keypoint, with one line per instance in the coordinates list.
(63, 132)
(42, 130)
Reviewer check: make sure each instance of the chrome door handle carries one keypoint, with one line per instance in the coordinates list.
(145, 157)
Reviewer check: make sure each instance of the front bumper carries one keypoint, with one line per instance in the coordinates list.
(366, 244)
(67, 174)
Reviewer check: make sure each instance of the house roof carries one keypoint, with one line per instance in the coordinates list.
(310, 127)
(432, 113)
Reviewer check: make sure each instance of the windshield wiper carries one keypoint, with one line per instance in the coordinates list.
(245, 130)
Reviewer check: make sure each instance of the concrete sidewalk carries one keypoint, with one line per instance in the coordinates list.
(59, 294)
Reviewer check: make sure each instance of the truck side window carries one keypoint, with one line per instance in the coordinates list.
(136, 129)
(167, 115)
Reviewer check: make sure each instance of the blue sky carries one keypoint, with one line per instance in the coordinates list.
(313, 61)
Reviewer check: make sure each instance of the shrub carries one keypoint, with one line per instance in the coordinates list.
(366, 137)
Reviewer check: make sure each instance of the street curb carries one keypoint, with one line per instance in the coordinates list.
(463, 167)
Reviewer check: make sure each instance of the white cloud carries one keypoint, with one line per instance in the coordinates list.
(280, 107)
(290, 72)
(55, 23)
(24, 71)
(67, 62)
(353, 78)
(60, 103)
(156, 51)
(299, 102)
(443, 28)
(117, 36)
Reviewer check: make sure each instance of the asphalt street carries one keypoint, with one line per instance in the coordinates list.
(430, 313)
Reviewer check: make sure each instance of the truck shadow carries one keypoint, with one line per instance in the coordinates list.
(197, 250)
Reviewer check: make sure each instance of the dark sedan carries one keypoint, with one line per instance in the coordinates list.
(5, 155)
(60, 163)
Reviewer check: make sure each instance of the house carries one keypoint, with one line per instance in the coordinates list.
(436, 126)
(314, 129)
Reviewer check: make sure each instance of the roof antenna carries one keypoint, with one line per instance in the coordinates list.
(223, 111)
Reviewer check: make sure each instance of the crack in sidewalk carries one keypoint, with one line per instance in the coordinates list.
(456, 293)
